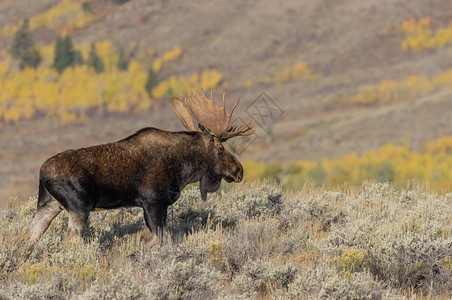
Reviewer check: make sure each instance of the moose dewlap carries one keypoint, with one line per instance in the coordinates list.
(147, 169)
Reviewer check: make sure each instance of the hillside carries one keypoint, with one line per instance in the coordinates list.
(347, 50)
(252, 241)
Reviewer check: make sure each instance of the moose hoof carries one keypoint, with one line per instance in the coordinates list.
(153, 241)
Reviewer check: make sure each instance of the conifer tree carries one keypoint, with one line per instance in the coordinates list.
(64, 54)
(120, 1)
(78, 58)
(151, 81)
(23, 47)
(31, 58)
(94, 60)
(123, 63)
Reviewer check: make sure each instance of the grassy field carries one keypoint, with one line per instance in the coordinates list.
(249, 241)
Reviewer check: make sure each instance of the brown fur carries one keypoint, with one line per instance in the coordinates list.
(148, 169)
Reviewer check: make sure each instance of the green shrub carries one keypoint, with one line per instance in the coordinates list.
(23, 47)
(65, 54)
(120, 1)
(151, 81)
(94, 61)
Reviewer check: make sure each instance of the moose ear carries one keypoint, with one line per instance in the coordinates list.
(209, 183)
(205, 129)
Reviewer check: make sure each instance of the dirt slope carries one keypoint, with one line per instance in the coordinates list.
(340, 41)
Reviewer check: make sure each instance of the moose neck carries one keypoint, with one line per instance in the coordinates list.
(194, 164)
(183, 155)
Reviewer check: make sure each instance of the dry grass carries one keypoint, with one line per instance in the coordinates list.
(251, 241)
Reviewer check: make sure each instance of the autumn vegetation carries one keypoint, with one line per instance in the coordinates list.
(398, 165)
(299, 70)
(66, 16)
(395, 91)
(71, 82)
(419, 35)
(251, 241)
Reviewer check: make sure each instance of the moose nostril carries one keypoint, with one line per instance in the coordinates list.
(239, 176)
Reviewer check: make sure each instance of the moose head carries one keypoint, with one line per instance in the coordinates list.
(214, 124)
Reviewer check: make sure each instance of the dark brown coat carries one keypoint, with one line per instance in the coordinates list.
(148, 169)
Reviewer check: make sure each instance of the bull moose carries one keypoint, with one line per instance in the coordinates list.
(147, 169)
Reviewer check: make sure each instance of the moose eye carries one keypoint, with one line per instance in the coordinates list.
(220, 151)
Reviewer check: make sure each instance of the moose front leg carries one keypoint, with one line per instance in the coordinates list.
(76, 225)
(155, 218)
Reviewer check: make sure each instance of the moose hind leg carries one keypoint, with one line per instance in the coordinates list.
(44, 215)
(77, 223)
(155, 218)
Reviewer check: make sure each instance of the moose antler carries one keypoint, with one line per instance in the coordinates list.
(209, 115)
(214, 117)
(181, 109)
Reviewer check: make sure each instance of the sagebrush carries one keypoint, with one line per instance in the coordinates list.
(251, 241)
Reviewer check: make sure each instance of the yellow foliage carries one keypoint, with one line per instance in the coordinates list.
(391, 163)
(210, 78)
(419, 35)
(84, 272)
(299, 70)
(443, 79)
(25, 93)
(9, 31)
(442, 37)
(282, 75)
(157, 65)
(440, 146)
(71, 95)
(172, 54)
(447, 262)
(182, 85)
(65, 15)
(254, 170)
(168, 56)
(391, 91)
(32, 273)
(351, 260)
(107, 51)
(11, 115)
(104, 49)
(79, 90)
(67, 117)
(47, 54)
(249, 83)
(266, 79)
